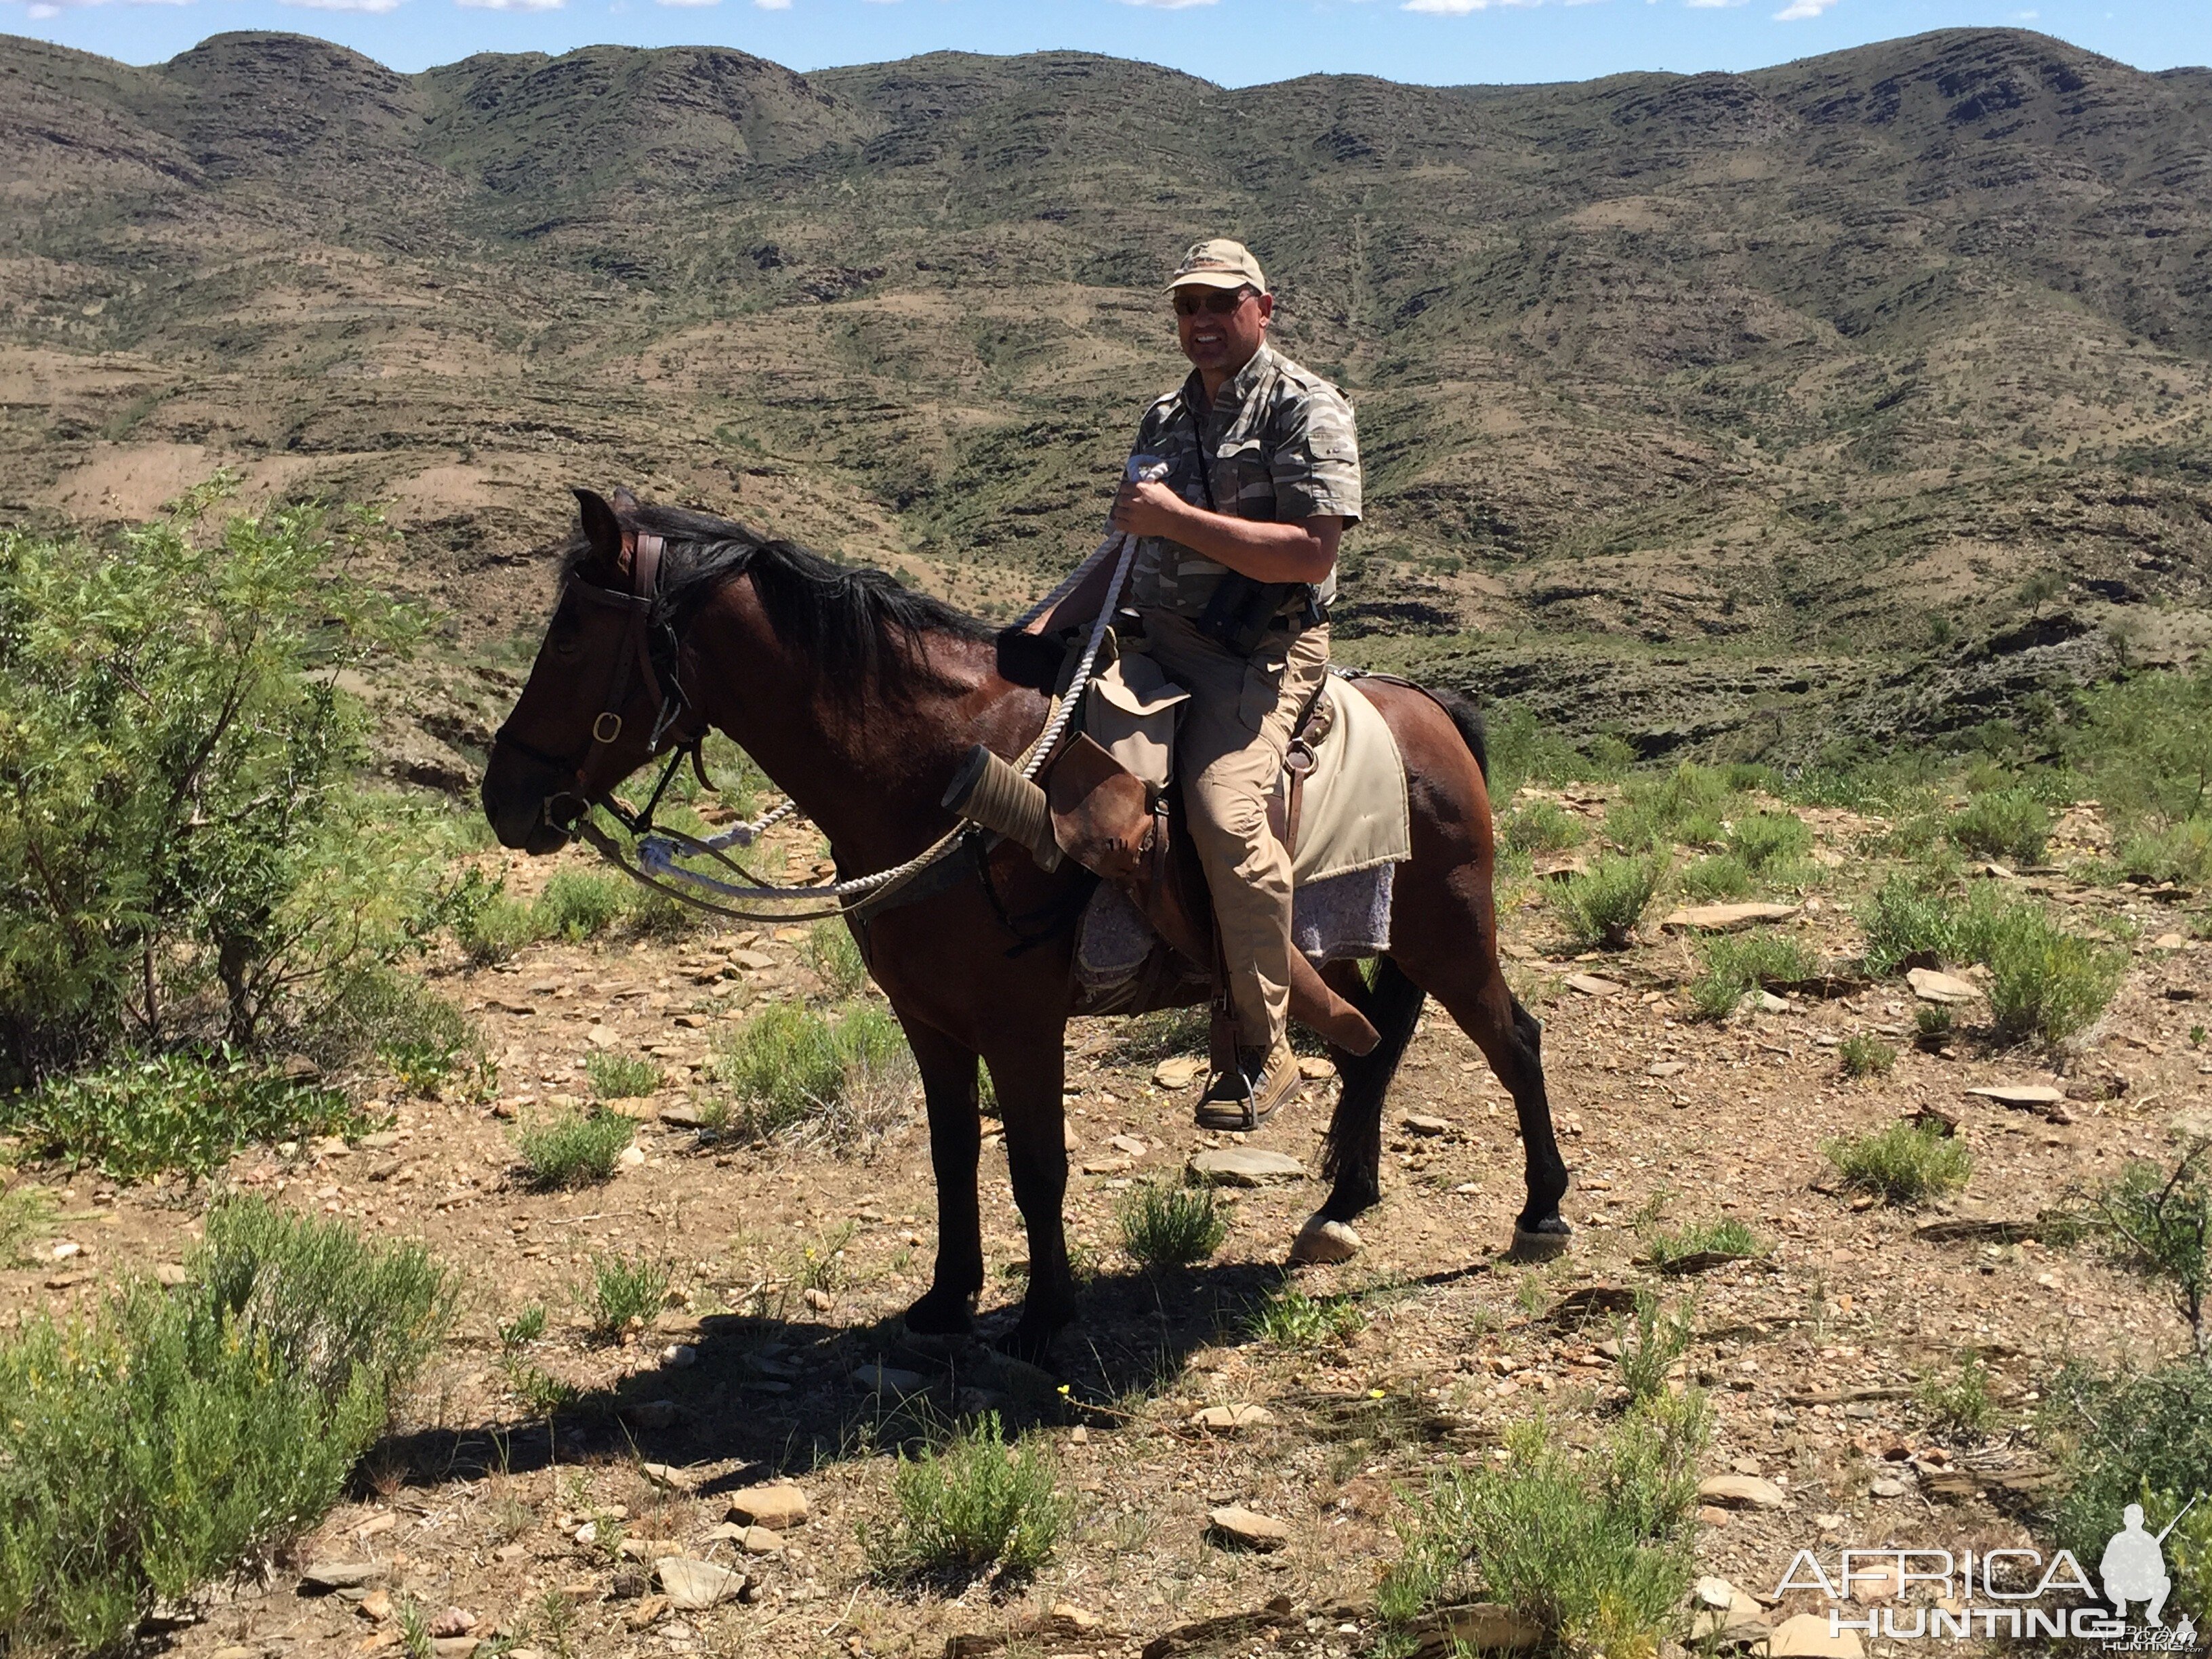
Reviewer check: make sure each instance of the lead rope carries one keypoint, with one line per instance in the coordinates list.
(657, 854)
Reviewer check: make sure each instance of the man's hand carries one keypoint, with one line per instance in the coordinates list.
(1147, 508)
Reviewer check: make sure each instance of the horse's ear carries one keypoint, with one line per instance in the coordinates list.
(624, 501)
(601, 528)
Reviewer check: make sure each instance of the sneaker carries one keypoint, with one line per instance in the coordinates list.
(1246, 1098)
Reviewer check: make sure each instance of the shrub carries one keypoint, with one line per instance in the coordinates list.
(2147, 742)
(1289, 1318)
(620, 1077)
(1727, 1236)
(1736, 964)
(496, 930)
(2179, 853)
(2159, 1223)
(1170, 1227)
(1540, 826)
(579, 904)
(1602, 905)
(1650, 1345)
(186, 854)
(25, 1210)
(186, 1436)
(421, 1037)
(1903, 920)
(151, 1116)
(791, 1068)
(1961, 1409)
(572, 1148)
(2138, 1436)
(1768, 840)
(1721, 877)
(2005, 824)
(1522, 751)
(835, 956)
(1595, 1546)
(1865, 1055)
(1903, 1164)
(623, 1293)
(978, 1505)
(1685, 805)
(2044, 981)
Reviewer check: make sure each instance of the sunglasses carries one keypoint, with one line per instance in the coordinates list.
(1215, 303)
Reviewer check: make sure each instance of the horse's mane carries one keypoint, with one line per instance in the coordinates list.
(859, 628)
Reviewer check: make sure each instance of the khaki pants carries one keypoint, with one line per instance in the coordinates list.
(1237, 728)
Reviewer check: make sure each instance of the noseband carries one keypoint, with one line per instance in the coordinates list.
(669, 703)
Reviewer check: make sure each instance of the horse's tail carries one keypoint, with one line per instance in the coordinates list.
(1468, 719)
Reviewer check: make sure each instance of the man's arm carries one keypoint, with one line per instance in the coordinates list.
(1301, 550)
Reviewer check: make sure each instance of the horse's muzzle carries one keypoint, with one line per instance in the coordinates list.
(516, 793)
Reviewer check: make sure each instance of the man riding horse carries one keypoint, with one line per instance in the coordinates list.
(1234, 571)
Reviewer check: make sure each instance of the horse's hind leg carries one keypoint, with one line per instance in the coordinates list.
(1352, 1159)
(1512, 1041)
(955, 1144)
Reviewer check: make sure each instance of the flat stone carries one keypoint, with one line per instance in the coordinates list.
(1931, 986)
(694, 1585)
(776, 1504)
(1129, 1144)
(667, 1475)
(1179, 1072)
(1727, 918)
(1890, 1487)
(603, 1036)
(1488, 1627)
(455, 1647)
(1770, 1004)
(649, 1549)
(756, 960)
(1421, 1123)
(2168, 942)
(1249, 1529)
(376, 1524)
(338, 1575)
(646, 1612)
(632, 1156)
(680, 1356)
(889, 1379)
(454, 1621)
(2033, 1094)
(1667, 1068)
(1594, 985)
(1227, 1419)
(1246, 1166)
(1714, 1592)
(1108, 1166)
(683, 1115)
(1077, 1621)
(1806, 1637)
(1741, 1492)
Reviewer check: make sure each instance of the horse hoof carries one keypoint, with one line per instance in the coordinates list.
(1322, 1242)
(935, 1316)
(1547, 1238)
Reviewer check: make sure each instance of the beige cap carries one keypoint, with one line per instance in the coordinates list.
(1218, 262)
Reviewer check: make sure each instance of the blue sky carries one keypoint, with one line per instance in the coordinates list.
(1236, 42)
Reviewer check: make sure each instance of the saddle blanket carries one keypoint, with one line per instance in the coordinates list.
(1343, 916)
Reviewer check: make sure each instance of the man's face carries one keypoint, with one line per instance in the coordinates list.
(1220, 328)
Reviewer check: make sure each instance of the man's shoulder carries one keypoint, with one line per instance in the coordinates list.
(1295, 383)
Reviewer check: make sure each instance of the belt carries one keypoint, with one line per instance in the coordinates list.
(1295, 622)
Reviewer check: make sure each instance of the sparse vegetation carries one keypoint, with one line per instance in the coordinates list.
(835, 956)
(1961, 1409)
(1687, 806)
(496, 930)
(1767, 842)
(579, 904)
(1727, 1236)
(1289, 1318)
(975, 1506)
(620, 1077)
(625, 1293)
(1863, 1054)
(1603, 904)
(2159, 1223)
(1540, 826)
(572, 1148)
(1652, 1343)
(24, 1210)
(2136, 1435)
(180, 1436)
(1736, 964)
(2009, 824)
(1720, 877)
(793, 1071)
(1906, 1164)
(1170, 1227)
(2044, 981)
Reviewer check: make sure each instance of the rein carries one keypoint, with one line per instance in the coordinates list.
(659, 848)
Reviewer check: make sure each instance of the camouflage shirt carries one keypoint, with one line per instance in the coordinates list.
(1282, 447)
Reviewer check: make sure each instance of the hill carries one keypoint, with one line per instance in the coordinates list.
(1732, 410)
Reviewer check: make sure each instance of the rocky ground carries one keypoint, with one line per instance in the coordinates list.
(780, 1358)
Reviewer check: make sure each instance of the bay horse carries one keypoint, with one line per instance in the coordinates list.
(860, 698)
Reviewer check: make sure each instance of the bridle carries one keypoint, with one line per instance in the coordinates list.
(670, 705)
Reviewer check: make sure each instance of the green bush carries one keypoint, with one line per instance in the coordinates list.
(2006, 823)
(150, 1115)
(1651, 1342)
(1170, 1227)
(1593, 1545)
(1687, 806)
(2044, 981)
(2147, 741)
(790, 1067)
(1865, 1055)
(1603, 904)
(572, 1148)
(1522, 751)
(2138, 1436)
(1540, 826)
(1767, 841)
(577, 905)
(624, 1292)
(495, 931)
(1932, 1021)
(835, 956)
(1903, 920)
(421, 1037)
(186, 1436)
(978, 1505)
(1736, 964)
(1721, 877)
(2179, 853)
(620, 1077)
(2159, 1223)
(1962, 1409)
(1289, 1318)
(1904, 1164)
(185, 854)
(25, 1210)
(1727, 1236)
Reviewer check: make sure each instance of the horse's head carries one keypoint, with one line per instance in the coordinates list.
(594, 707)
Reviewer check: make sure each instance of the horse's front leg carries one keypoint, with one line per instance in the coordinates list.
(955, 1143)
(1028, 1076)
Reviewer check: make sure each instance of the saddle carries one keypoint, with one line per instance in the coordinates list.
(1110, 801)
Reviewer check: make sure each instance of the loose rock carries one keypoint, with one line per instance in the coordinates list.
(1806, 1637)
(323, 1576)
(888, 1379)
(1594, 985)
(776, 1504)
(1227, 1419)
(1249, 1529)
(1179, 1072)
(1726, 918)
(692, 1584)
(1421, 1123)
(1246, 1166)
(1741, 1492)
(1931, 986)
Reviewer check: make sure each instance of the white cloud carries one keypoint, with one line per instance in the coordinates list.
(2026, 16)
(512, 5)
(376, 7)
(1167, 5)
(1461, 8)
(687, 3)
(1798, 10)
(773, 5)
